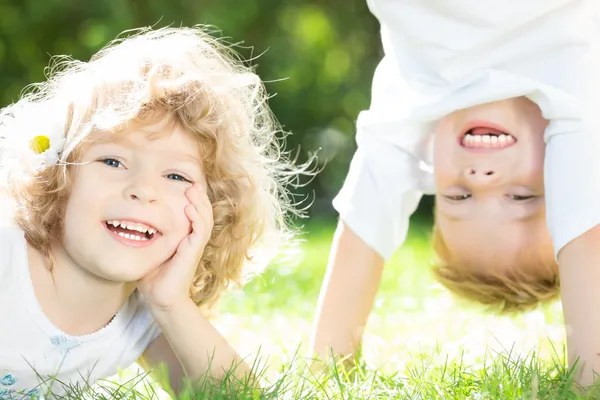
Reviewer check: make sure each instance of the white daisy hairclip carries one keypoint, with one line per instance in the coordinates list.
(45, 150)
(32, 138)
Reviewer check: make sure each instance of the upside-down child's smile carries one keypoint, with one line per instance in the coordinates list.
(487, 137)
(131, 233)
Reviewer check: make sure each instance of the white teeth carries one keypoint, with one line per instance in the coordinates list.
(131, 237)
(132, 226)
(487, 140)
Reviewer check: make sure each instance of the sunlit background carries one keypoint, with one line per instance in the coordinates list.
(317, 59)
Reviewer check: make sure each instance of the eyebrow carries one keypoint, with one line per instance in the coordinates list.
(535, 213)
(189, 158)
(185, 157)
(525, 218)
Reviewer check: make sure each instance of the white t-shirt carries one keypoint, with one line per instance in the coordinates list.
(441, 56)
(32, 349)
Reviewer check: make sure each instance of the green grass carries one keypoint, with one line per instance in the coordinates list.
(419, 343)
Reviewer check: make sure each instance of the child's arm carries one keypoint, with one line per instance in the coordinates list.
(190, 347)
(573, 213)
(579, 264)
(383, 188)
(351, 282)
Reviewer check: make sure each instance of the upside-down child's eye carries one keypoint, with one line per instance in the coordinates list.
(517, 197)
(460, 197)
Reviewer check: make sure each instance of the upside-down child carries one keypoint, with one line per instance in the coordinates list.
(139, 186)
(493, 107)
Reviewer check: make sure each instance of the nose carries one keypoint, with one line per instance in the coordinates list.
(481, 175)
(141, 189)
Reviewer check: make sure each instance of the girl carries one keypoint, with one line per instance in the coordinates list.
(139, 186)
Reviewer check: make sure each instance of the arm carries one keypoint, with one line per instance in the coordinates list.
(191, 347)
(572, 193)
(351, 282)
(579, 264)
(380, 193)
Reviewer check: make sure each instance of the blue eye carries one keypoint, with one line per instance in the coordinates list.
(111, 162)
(177, 177)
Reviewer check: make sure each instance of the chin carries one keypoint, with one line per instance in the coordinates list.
(125, 271)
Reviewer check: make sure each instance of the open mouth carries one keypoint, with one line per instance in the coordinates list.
(132, 231)
(487, 138)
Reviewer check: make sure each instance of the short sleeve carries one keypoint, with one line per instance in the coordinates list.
(383, 185)
(378, 197)
(572, 185)
(572, 160)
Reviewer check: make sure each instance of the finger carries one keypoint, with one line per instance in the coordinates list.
(206, 207)
(202, 181)
(198, 212)
(191, 247)
(200, 200)
(203, 184)
(201, 227)
(197, 196)
(194, 216)
(194, 195)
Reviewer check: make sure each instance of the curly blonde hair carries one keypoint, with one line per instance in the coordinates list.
(183, 76)
(505, 290)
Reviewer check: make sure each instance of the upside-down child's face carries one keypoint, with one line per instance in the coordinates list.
(488, 163)
(125, 214)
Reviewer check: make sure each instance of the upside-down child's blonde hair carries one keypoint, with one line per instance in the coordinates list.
(186, 78)
(506, 290)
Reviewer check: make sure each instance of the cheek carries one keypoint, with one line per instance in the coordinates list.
(533, 163)
(85, 203)
(445, 169)
(81, 225)
(80, 206)
(177, 203)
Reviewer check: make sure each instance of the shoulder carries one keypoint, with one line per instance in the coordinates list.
(8, 226)
(12, 247)
(11, 235)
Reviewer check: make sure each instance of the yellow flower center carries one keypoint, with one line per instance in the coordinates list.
(40, 144)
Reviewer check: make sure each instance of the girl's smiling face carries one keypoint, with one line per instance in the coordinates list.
(125, 213)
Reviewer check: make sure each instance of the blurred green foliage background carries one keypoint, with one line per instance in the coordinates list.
(317, 58)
